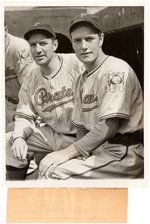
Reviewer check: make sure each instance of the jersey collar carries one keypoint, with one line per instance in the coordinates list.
(91, 72)
(61, 63)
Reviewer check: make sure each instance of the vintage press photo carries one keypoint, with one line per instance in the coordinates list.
(74, 89)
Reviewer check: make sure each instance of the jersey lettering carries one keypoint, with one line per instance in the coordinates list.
(42, 96)
(9, 72)
(89, 98)
(54, 105)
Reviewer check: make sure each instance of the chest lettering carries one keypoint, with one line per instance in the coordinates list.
(89, 98)
(42, 96)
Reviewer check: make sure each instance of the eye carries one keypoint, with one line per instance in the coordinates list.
(77, 40)
(32, 44)
(43, 43)
(89, 38)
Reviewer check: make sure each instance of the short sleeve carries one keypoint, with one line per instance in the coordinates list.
(25, 63)
(115, 96)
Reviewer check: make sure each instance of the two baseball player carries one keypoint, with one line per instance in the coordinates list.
(18, 64)
(108, 113)
(48, 93)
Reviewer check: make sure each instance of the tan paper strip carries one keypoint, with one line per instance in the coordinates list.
(67, 205)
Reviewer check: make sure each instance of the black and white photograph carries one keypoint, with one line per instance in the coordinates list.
(74, 95)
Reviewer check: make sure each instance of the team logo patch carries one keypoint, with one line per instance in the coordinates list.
(25, 56)
(116, 81)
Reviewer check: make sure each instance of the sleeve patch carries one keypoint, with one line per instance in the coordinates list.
(116, 81)
(25, 56)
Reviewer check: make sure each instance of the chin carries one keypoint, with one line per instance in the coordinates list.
(40, 62)
(86, 61)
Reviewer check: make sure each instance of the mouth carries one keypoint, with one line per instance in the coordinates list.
(39, 57)
(86, 53)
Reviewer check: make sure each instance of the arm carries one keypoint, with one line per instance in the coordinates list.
(24, 122)
(81, 132)
(103, 131)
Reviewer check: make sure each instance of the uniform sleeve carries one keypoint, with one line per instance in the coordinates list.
(115, 94)
(25, 114)
(24, 61)
(102, 132)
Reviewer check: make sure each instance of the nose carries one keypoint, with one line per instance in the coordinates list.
(38, 48)
(84, 44)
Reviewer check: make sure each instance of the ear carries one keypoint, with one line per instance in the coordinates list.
(101, 37)
(55, 44)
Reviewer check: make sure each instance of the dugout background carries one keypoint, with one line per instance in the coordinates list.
(123, 28)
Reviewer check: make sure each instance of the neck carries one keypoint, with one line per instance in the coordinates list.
(51, 68)
(91, 66)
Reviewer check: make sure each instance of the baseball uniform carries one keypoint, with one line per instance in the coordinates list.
(52, 100)
(18, 63)
(111, 90)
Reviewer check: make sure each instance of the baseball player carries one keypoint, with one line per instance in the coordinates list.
(18, 63)
(48, 93)
(108, 113)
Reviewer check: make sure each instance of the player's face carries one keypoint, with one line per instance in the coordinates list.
(42, 48)
(87, 44)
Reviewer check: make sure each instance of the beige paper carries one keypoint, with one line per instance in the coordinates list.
(67, 205)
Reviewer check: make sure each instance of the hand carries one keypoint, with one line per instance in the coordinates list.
(19, 148)
(51, 161)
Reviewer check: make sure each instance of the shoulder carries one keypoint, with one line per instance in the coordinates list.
(18, 42)
(117, 64)
(70, 59)
(71, 65)
(70, 56)
(33, 77)
(19, 48)
(118, 72)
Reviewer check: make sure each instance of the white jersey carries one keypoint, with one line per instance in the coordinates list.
(18, 63)
(110, 90)
(51, 99)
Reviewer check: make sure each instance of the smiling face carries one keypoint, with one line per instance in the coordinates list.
(87, 43)
(42, 48)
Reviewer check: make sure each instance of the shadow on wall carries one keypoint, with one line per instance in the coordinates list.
(64, 44)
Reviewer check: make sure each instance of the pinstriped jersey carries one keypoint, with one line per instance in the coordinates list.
(18, 63)
(110, 90)
(50, 98)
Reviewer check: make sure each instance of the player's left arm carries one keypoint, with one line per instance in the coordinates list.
(103, 131)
